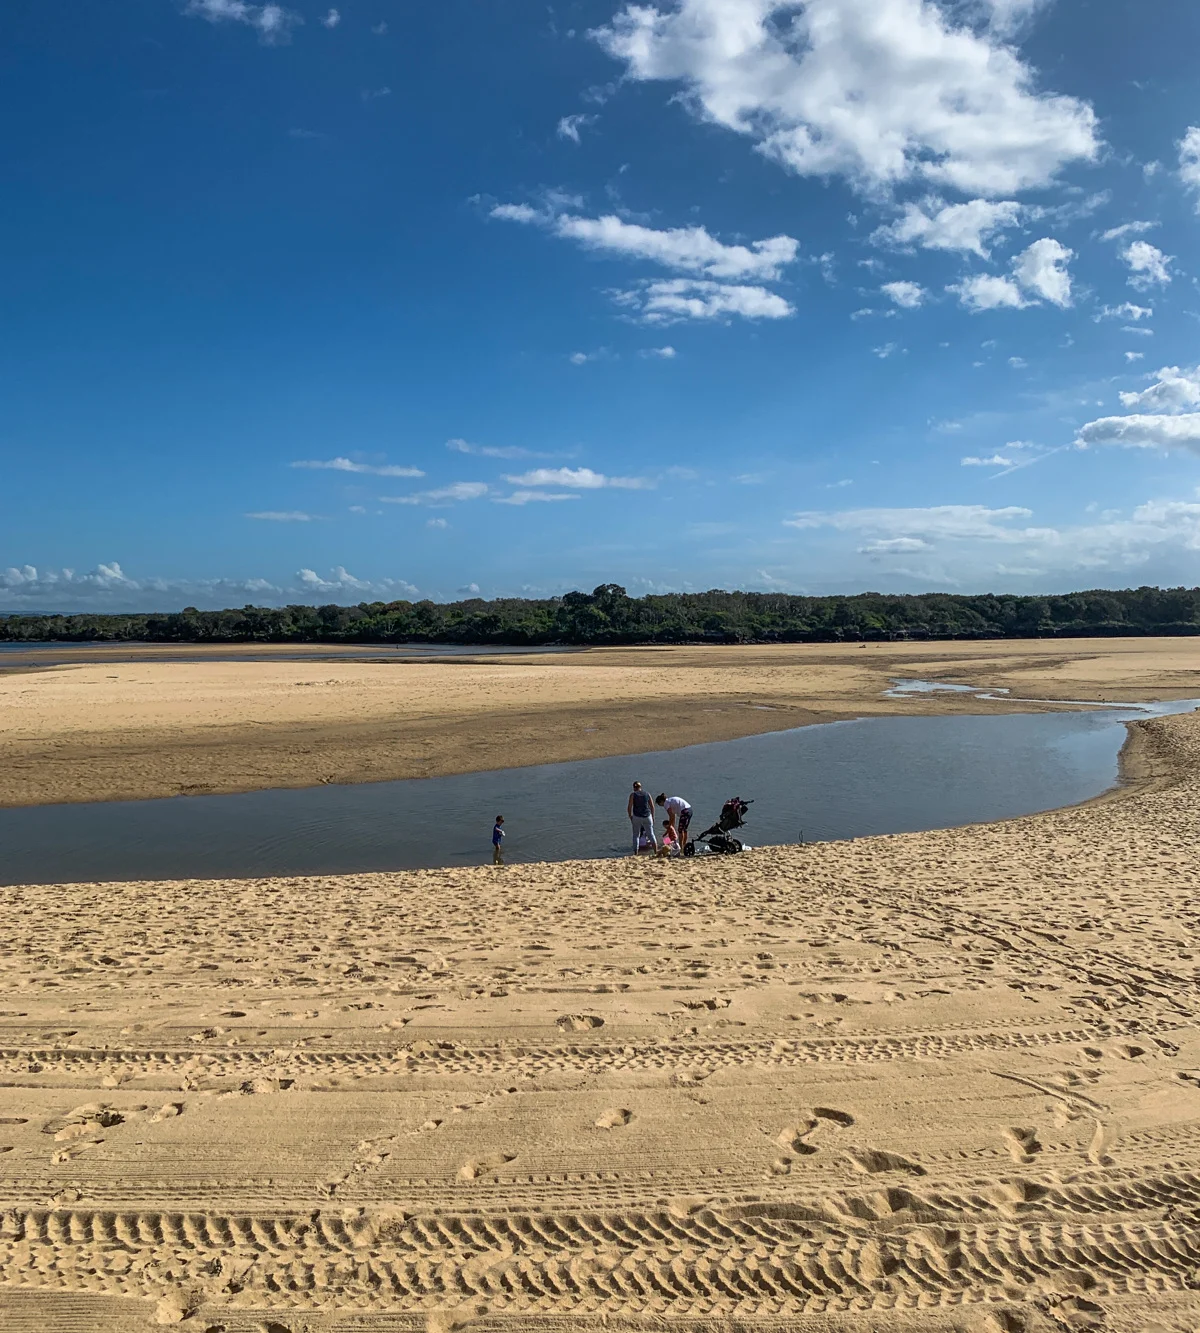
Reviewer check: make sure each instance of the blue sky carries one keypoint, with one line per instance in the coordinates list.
(390, 300)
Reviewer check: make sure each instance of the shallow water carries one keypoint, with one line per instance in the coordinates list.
(69, 654)
(838, 780)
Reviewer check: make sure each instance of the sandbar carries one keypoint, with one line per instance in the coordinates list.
(120, 723)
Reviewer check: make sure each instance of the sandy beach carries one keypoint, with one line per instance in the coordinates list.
(943, 1081)
(121, 723)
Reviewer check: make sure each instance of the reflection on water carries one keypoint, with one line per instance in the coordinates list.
(839, 780)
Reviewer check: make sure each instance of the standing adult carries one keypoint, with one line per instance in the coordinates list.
(640, 809)
(679, 817)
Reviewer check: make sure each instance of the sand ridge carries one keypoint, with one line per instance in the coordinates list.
(942, 1081)
(115, 729)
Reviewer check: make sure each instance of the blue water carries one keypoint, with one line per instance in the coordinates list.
(839, 780)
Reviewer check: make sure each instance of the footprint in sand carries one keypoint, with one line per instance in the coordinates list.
(1022, 1144)
(1102, 1140)
(614, 1118)
(875, 1161)
(484, 1166)
(578, 1023)
(795, 1138)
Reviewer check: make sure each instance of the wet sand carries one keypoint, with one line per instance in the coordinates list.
(109, 728)
(931, 1082)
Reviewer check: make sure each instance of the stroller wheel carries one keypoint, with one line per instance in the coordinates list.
(734, 845)
(689, 848)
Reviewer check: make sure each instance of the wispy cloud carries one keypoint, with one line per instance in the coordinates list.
(671, 300)
(690, 249)
(282, 516)
(510, 451)
(1127, 229)
(579, 479)
(442, 495)
(667, 353)
(1148, 266)
(272, 22)
(332, 19)
(569, 126)
(366, 469)
(535, 497)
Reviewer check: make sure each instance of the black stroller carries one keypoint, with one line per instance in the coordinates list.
(720, 837)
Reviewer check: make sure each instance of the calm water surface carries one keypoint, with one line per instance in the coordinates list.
(68, 654)
(839, 780)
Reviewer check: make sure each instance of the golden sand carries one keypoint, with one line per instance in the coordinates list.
(117, 728)
(932, 1082)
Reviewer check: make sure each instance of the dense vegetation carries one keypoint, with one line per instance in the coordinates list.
(609, 615)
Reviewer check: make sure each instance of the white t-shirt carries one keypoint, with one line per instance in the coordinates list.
(675, 805)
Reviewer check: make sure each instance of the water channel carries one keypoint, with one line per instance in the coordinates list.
(837, 780)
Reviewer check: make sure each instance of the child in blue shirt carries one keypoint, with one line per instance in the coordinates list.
(498, 841)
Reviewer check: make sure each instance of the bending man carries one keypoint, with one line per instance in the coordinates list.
(679, 817)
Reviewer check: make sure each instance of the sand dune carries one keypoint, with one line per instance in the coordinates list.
(944, 1081)
(117, 729)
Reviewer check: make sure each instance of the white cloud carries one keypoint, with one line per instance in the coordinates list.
(282, 516)
(880, 91)
(533, 497)
(1127, 229)
(909, 295)
(272, 22)
(492, 450)
(691, 249)
(894, 546)
(661, 353)
(928, 525)
(986, 292)
(995, 460)
(443, 495)
(885, 351)
(947, 544)
(340, 580)
(569, 126)
(1042, 269)
(1174, 390)
(1018, 362)
(470, 590)
(1039, 273)
(1145, 432)
(374, 94)
(1127, 310)
(379, 28)
(582, 358)
(1135, 356)
(332, 19)
(578, 478)
(1006, 16)
(673, 299)
(1189, 161)
(347, 465)
(109, 588)
(1147, 264)
(935, 225)
(436, 523)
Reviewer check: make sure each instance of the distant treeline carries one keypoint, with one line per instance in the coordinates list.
(608, 615)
